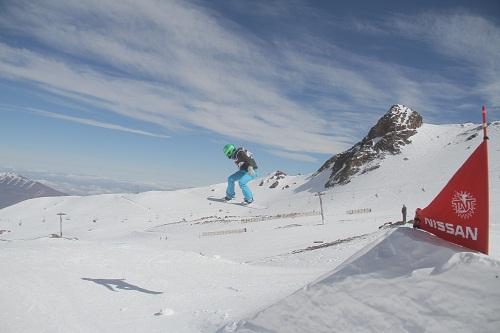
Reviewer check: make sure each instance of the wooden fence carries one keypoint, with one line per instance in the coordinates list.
(359, 211)
(224, 232)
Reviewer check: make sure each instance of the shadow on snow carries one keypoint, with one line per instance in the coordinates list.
(114, 284)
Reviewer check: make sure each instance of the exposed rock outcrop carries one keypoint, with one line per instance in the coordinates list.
(391, 132)
(274, 179)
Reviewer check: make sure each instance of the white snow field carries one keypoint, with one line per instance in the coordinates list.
(408, 281)
(179, 262)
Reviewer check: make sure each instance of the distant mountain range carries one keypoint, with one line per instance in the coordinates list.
(15, 188)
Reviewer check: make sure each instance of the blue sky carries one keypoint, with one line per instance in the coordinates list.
(150, 91)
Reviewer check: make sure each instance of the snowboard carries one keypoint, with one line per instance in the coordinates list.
(242, 204)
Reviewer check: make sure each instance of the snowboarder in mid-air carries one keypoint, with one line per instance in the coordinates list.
(247, 166)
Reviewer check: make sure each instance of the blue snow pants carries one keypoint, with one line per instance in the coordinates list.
(243, 178)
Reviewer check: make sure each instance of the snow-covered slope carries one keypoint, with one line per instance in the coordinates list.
(15, 188)
(407, 281)
(179, 262)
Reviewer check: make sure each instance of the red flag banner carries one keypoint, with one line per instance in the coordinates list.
(460, 212)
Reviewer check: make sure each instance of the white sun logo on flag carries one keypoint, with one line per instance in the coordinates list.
(464, 204)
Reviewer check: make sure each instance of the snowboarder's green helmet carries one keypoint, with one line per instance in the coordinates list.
(229, 150)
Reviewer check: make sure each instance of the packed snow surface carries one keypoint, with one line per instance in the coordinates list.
(408, 281)
(180, 261)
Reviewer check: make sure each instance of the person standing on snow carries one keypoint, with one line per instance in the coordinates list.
(247, 166)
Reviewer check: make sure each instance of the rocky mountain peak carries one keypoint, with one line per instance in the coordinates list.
(399, 121)
(273, 179)
(389, 134)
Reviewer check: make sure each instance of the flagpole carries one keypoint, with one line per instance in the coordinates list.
(485, 124)
(485, 138)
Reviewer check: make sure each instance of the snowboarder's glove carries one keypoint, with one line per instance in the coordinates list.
(250, 171)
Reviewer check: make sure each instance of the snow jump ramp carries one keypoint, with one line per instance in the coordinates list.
(406, 281)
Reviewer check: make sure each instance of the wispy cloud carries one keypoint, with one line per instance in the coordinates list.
(184, 66)
(83, 121)
(294, 156)
(465, 36)
(470, 40)
(458, 34)
(91, 122)
(180, 68)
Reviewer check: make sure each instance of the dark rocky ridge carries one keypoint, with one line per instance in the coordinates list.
(391, 132)
(15, 188)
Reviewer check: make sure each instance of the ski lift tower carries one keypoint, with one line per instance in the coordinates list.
(319, 194)
(60, 223)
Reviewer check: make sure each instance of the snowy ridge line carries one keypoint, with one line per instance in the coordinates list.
(135, 203)
(478, 129)
(335, 190)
